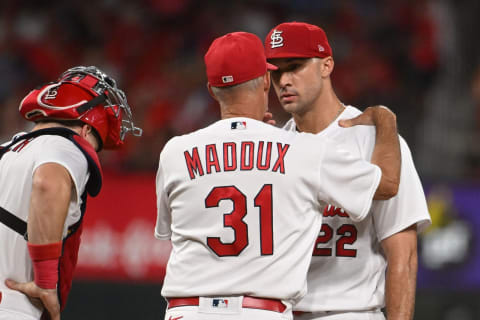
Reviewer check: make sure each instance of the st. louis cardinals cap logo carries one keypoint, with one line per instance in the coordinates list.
(277, 39)
(51, 93)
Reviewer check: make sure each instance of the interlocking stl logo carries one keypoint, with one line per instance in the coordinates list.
(51, 94)
(277, 39)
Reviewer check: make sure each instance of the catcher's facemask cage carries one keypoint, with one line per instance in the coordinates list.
(86, 94)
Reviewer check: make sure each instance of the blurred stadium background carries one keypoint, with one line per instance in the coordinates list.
(419, 57)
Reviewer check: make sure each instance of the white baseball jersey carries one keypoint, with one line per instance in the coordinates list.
(347, 271)
(17, 167)
(240, 201)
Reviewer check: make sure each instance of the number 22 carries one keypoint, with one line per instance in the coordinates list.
(348, 234)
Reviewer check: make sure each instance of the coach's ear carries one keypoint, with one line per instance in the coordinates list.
(266, 82)
(209, 87)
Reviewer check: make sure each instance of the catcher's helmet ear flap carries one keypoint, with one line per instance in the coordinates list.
(86, 94)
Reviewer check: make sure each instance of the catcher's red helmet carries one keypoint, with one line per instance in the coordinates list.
(86, 94)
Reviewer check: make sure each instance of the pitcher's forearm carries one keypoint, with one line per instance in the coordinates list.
(401, 276)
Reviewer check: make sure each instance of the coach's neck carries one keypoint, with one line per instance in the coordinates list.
(248, 99)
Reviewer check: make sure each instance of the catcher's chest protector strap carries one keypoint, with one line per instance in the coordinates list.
(13, 222)
(94, 183)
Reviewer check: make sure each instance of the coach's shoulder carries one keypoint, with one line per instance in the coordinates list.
(172, 144)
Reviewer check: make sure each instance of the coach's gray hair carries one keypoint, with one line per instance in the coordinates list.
(251, 85)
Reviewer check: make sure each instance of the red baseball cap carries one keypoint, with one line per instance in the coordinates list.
(235, 58)
(297, 40)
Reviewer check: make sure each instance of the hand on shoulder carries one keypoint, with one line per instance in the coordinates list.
(372, 116)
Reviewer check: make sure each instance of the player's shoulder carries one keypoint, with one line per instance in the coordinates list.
(15, 136)
(406, 155)
(403, 144)
(56, 143)
(58, 149)
(47, 145)
(352, 112)
(364, 136)
(174, 143)
(358, 139)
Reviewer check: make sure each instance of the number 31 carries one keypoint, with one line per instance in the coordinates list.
(234, 220)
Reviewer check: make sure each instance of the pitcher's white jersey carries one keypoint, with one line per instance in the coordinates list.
(347, 272)
(240, 201)
(17, 167)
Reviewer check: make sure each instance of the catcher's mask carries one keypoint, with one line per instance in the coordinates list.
(86, 94)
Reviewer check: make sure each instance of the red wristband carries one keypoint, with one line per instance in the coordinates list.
(45, 259)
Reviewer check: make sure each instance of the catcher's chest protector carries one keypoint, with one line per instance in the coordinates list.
(71, 243)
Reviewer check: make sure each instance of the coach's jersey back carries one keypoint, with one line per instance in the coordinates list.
(17, 167)
(240, 201)
(347, 271)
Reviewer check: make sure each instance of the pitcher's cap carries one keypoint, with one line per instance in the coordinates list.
(297, 40)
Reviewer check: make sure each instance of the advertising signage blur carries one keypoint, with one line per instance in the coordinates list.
(449, 251)
(118, 240)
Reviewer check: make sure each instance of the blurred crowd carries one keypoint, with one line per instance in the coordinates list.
(385, 52)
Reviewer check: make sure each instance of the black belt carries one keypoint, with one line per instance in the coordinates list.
(13, 222)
